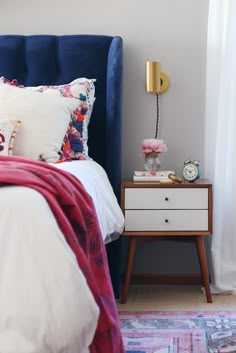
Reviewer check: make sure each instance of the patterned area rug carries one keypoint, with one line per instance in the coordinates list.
(179, 332)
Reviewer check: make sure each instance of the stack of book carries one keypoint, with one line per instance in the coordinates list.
(160, 176)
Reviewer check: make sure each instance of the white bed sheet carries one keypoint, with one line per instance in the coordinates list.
(95, 180)
(45, 303)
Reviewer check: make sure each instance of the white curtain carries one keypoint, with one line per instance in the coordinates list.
(220, 140)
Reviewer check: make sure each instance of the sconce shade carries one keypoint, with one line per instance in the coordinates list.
(153, 76)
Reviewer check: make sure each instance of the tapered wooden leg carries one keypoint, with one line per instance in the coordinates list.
(204, 268)
(132, 247)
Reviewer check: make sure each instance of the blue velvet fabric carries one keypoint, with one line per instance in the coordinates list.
(50, 59)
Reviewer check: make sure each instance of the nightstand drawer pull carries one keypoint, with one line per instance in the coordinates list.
(166, 198)
(166, 220)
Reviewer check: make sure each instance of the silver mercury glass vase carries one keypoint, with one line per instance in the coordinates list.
(152, 162)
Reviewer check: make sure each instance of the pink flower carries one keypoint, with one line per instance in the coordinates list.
(153, 145)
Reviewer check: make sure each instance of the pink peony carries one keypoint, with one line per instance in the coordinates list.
(153, 145)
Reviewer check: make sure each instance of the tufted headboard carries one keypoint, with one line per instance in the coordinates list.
(52, 60)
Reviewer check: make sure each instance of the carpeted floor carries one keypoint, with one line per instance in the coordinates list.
(179, 332)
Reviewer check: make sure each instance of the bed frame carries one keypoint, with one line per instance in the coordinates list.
(52, 60)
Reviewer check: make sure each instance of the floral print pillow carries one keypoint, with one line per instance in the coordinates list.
(75, 145)
(8, 130)
(9, 82)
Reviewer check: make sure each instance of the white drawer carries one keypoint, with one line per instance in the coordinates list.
(166, 220)
(166, 198)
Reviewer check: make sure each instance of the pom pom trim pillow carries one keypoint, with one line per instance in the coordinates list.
(8, 131)
(75, 141)
(45, 119)
(5, 80)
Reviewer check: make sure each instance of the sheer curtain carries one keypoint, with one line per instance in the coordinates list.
(220, 140)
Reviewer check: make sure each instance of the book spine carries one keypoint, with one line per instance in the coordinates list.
(151, 178)
(163, 173)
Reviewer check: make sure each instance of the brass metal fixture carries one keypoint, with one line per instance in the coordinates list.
(156, 81)
(153, 76)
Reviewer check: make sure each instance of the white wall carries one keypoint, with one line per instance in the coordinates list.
(170, 31)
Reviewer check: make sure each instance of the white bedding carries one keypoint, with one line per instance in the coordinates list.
(45, 303)
(95, 181)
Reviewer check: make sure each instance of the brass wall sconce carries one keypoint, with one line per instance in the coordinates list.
(156, 82)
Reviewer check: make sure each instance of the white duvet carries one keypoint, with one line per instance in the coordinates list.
(45, 303)
(95, 181)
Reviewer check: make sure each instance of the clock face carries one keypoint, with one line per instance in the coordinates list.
(190, 172)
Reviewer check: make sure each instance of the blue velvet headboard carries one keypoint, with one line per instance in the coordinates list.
(50, 59)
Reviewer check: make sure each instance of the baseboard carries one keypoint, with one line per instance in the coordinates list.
(165, 279)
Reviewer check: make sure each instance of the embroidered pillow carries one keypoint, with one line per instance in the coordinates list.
(8, 130)
(45, 119)
(5, 80)
(75, 145)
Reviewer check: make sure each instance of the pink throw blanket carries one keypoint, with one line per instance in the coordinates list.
(74, 211)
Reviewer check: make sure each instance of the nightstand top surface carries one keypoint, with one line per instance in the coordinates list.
(156, 184)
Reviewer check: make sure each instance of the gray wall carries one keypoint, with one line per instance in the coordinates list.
(170, 31)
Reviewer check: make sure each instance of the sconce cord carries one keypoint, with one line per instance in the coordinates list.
(157, 122)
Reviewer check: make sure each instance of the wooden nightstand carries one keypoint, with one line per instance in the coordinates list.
(152, 209)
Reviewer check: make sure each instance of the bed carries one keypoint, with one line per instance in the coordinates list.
(60, 180)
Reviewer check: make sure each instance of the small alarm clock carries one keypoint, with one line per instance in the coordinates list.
(191, 170)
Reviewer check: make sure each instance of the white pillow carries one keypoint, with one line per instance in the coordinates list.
(44, 118)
